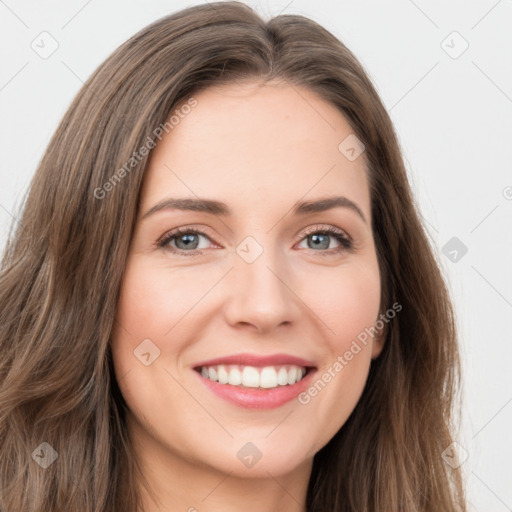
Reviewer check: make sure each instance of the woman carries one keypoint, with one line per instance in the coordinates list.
(220, 295)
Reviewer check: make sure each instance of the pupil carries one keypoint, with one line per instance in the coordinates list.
(315, 240)
(186, 239)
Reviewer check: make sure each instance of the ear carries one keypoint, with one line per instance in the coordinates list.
(380, 337)
(378, 343)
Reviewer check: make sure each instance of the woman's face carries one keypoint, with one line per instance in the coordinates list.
(256, 277)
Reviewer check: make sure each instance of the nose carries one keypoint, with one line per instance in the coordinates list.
(261, 293)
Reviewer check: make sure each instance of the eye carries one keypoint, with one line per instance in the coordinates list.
(320, 238)
(186, 241)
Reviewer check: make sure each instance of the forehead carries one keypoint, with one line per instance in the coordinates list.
(246, 141)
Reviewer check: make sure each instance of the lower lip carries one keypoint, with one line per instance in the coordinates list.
(258, 398)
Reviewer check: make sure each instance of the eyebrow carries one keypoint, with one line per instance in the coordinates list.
(219, 208)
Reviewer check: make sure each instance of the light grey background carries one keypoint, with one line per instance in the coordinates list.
(453, 114)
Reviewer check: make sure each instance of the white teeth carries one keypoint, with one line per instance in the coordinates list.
(235, 377)
(268, 377)
(250, 377)
(292, 375)
(282, 376)
(254, 377)
(222, 374)
(212, 373)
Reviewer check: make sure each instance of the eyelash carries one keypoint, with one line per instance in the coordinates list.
(345, 241)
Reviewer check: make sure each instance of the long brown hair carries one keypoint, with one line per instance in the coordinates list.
(61, 273)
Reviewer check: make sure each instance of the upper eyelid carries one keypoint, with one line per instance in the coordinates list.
(319, 227)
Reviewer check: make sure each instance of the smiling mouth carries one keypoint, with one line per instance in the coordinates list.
(255, 377)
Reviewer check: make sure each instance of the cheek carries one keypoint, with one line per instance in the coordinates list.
(359, 305)
(146, 312)
(151, 302)
(346, 302)
(153, 316)
(358, 301)
(138, 318)
(348, 309)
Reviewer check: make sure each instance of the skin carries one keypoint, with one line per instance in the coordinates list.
(260, 149)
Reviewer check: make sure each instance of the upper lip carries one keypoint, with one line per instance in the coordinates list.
(257, 360)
